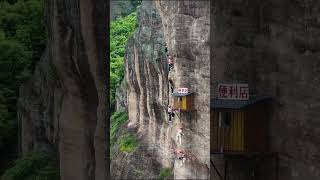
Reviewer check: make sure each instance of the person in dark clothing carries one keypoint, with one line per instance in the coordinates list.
(170, 113)
(171, 85)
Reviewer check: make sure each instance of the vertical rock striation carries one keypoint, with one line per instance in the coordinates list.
(63, 106)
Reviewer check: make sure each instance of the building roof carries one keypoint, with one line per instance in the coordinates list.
(236, 104)
(181, 94)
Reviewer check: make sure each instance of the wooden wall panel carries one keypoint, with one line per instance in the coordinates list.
(248, 131)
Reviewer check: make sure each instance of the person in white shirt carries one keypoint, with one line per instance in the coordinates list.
(179, 135)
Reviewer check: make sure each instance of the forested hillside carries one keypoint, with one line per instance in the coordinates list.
(22, 41)
(121, 30)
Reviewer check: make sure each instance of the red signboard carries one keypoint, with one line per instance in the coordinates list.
(182, 90)
(233, 91)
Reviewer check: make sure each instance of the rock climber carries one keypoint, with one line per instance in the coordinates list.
(179, 135)
(170, 113)
(171, 85)
(181, 156)
(170, 62)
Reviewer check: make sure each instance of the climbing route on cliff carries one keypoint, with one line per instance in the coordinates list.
(181, 101)
(178, 101)
(171, 113)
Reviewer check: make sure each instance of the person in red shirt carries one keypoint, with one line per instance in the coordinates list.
(181, 156)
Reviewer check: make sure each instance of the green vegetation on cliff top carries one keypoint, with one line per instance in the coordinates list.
(120, 31)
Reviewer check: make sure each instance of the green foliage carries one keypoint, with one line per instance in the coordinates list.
(120, 31)
(23, 21)
(128, 143)
(13, 63)
(165, 173)
(117, 120)
(22, 40)
(7, 126)
(33, 166)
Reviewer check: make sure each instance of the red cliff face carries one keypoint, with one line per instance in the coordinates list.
(63, 106)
